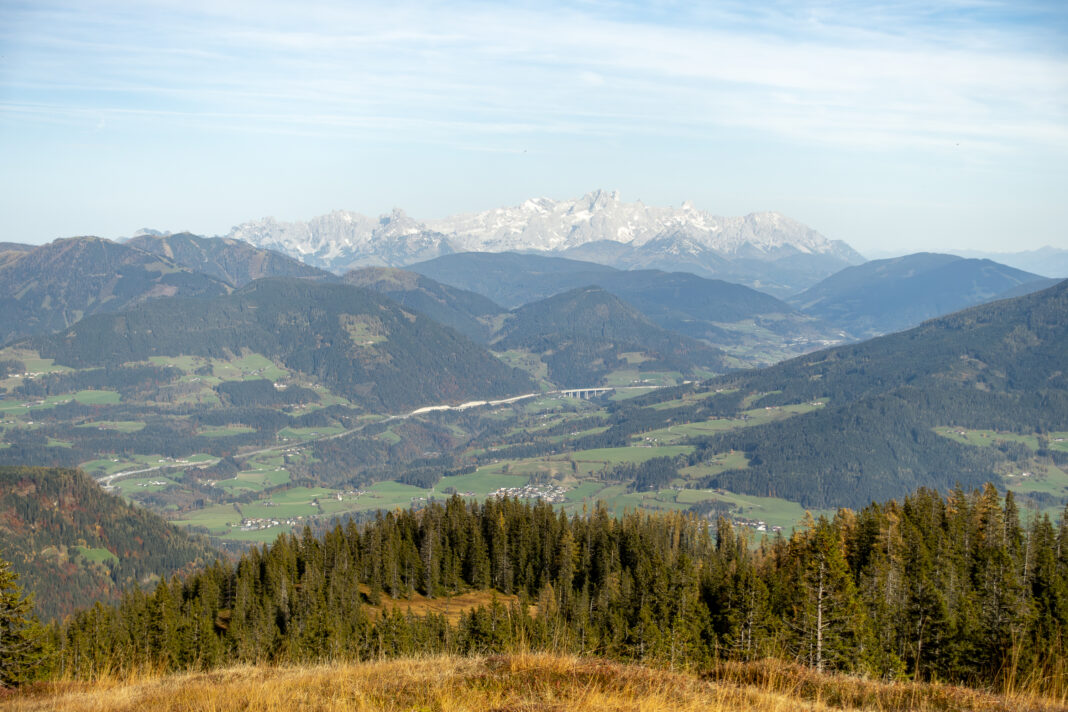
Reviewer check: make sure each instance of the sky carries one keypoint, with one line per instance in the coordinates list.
(894, 126)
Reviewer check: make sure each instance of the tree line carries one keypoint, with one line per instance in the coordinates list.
(951, 588)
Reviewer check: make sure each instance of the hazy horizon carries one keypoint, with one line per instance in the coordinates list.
(895, 127)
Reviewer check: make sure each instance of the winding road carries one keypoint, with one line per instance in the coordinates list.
(107, 480)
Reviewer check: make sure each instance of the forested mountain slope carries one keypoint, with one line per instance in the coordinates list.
(232, 261)
(358, 343)
(756, 327)
(1001, 366)
(584, 334)
(889, 295)
(11, 251)
(73, 544)
(53, 286)
(473, 315)
(511, 279)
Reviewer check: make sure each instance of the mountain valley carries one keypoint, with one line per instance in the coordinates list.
(272, 399)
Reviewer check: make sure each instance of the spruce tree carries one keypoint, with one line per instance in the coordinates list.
(23, 651)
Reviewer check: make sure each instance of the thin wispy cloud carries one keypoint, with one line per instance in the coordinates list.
(877, 77)
(489, 60)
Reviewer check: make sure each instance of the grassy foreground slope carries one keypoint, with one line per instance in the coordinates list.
(531, 683)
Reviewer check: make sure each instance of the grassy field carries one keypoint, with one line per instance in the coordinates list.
(87, 397)
(482, 481)
(636, 454)
(526, 361)
(100, 556)
(634, 377)
(289, 504)
(688, 399)
(991, 438)
(255, 480)
(217, 519)
(112, 465)
(32, 361)
(222, 431)
(301, 434)
(629, 393)
(521, 682)
(986, 438)
(247, 368)
(719, 463)
(122, 426)
(135, 485)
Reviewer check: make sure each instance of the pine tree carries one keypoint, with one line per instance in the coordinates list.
(830, 624)
(23, 650)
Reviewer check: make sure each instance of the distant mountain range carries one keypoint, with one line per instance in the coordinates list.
(1046, 261)
(884, 296)
(767, 250)
(755, 326)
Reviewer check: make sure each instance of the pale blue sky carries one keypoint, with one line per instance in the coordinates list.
(892, 126)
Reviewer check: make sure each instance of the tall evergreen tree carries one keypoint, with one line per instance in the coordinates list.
(23, 647)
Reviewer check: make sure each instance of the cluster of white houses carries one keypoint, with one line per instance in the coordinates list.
(553, 494)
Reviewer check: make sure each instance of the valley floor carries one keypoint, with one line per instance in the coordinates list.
(516, 683)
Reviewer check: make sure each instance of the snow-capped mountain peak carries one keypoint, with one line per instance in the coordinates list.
(344, 239)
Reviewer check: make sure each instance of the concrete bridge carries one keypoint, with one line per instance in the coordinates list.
(584, 393)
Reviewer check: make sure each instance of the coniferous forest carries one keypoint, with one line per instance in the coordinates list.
(930, 588)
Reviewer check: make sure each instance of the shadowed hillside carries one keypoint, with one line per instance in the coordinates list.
(473, 315)
(361, 345)
(73, 544)
(584, 334)
(55, 285)
(1000, 366)
(883, 296)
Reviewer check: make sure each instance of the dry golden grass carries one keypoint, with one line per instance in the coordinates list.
(516, 683)
(452, 607)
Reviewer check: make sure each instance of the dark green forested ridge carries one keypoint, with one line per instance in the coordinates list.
(721, 312)
(52, 286)
(71, 543)
(950, 588)
(583, 334)
(1002, 366)
(359, 344)
(469, 313)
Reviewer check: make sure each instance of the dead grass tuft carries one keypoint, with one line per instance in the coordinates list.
(509, 683)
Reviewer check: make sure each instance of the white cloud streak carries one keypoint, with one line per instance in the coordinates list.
(487, 67)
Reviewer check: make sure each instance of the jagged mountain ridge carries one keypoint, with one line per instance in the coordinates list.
(599, 224)
(343, 240)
